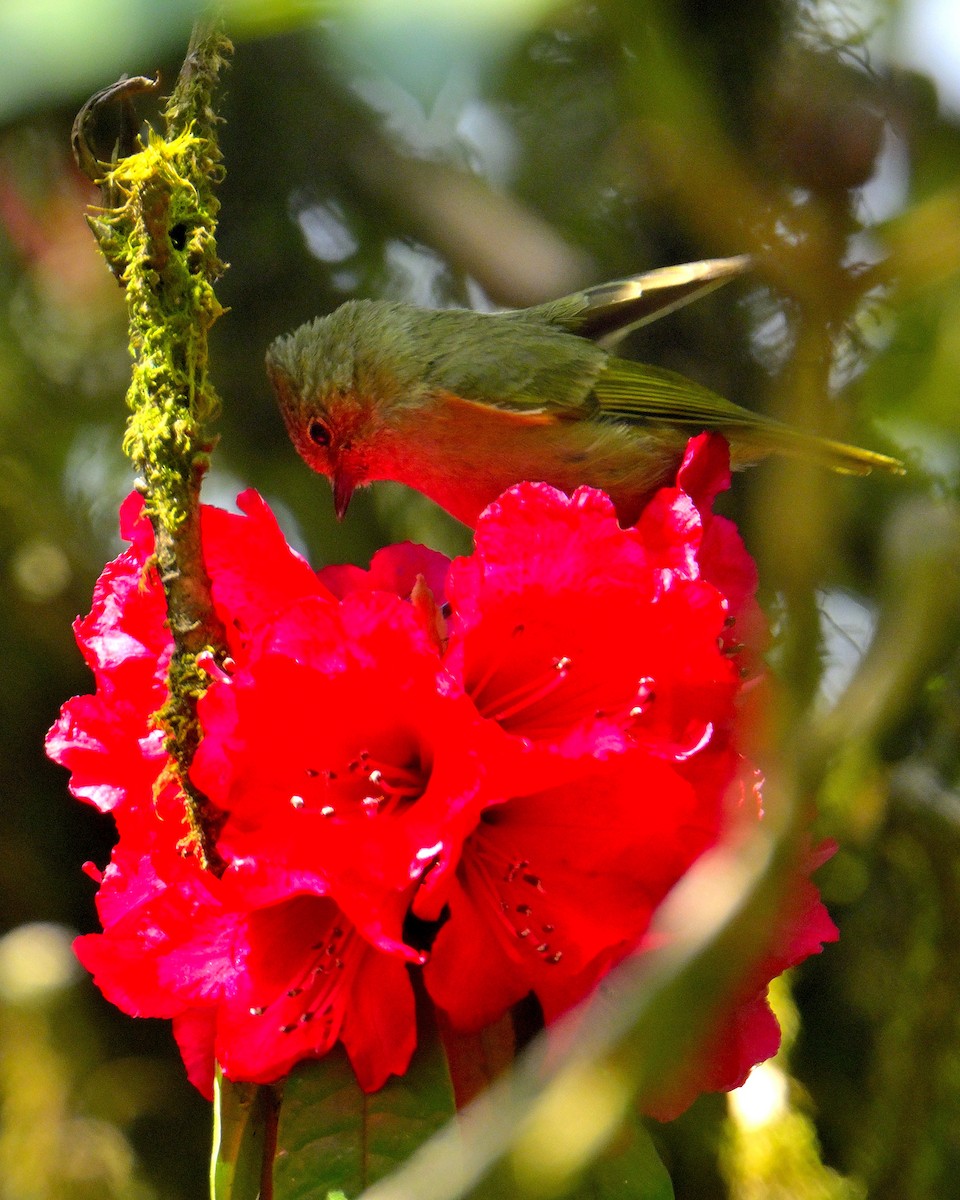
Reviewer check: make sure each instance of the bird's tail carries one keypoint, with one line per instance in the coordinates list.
(838, 456)
(640, 394)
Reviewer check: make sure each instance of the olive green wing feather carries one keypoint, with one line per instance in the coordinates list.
(544, 360)
(513, 364)
(638, 394)
(610, 311)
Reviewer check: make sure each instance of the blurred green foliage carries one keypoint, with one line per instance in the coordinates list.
(502, 154)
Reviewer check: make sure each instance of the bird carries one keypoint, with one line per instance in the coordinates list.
(462, 404)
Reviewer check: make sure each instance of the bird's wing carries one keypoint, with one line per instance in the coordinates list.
(641, 394)
(607, 313)
(636, 393)
(513, 364)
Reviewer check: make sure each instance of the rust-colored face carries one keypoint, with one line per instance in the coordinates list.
(329, 433)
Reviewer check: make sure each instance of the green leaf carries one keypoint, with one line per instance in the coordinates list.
(242, 1118)
(630, 1167)
(333, 1137)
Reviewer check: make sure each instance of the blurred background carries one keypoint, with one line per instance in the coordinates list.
(502, 153)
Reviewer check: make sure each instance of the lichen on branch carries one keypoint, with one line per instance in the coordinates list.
(157, 228)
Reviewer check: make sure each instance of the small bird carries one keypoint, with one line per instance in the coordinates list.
(461, 405)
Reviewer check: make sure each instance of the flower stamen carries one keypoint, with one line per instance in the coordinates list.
(530, 693)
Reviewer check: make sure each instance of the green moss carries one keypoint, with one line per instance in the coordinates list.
(158, 236)
(163, 234)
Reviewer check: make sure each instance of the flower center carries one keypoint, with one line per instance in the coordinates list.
(312, 994)
(542, 695)
(517, 895)
(519, 699)
(528, 694)
(374, 783)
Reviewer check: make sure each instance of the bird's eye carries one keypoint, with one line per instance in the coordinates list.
(318, 433)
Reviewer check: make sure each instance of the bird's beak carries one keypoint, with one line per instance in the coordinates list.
(343, 487)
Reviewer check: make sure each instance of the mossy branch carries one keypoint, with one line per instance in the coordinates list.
(156, 230)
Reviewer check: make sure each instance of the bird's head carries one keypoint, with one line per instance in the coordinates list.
(339, 380)
(330, 430)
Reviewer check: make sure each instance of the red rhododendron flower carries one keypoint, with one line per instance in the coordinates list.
(343, 756)
(607, 647)
(748, 1032)
(393, 569)
(256, 987)
(582, 638)
(527, 748)
(554, 887)
(257, 977)
(108, 740)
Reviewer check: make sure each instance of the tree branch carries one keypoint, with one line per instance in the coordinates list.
(156, 230)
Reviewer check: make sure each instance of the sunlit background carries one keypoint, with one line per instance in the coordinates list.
(503, 153)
